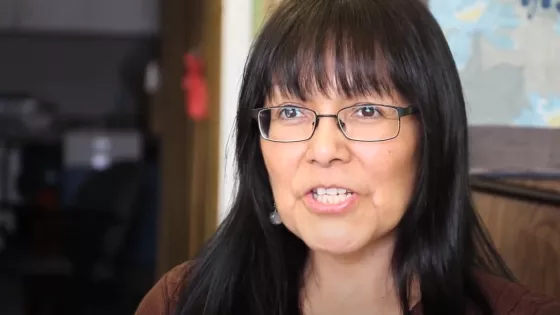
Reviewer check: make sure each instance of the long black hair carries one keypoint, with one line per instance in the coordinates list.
(252, 267)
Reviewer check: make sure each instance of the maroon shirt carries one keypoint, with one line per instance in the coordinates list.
(507, 298)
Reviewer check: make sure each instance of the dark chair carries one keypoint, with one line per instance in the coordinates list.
(94, 236)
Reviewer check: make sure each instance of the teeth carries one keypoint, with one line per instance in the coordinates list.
(328, 199)
(331, 195)
(331, 191)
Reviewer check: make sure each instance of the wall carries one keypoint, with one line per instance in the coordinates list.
(260, 10)
(527, 234)
(81, 75)
(237, 33)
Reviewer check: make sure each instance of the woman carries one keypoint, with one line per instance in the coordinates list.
(353, 177)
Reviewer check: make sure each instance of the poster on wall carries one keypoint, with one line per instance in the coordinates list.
(507, 54)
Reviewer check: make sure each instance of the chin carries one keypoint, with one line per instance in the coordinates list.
(336, 250)
(339, 244)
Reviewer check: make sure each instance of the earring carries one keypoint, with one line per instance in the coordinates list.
(275, 217)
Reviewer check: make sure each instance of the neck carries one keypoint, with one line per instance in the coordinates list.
(360, 283)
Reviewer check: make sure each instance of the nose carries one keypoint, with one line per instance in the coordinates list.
(328, 145)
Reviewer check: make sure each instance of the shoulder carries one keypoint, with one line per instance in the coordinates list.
(509, 298)
(164, 295)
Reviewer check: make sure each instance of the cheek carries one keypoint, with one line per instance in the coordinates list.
(282, 162)
(391, 174)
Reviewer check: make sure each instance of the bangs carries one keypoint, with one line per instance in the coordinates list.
(330, 47)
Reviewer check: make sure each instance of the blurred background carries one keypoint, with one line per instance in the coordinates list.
(115, 125)
(109, 122)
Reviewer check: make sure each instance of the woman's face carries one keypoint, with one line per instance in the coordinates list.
(378, 178)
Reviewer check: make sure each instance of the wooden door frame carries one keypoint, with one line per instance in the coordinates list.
(188, 212)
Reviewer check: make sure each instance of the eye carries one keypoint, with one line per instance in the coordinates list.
(367, 111)
(290, 113)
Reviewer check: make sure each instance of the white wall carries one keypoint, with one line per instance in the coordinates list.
(237, 34)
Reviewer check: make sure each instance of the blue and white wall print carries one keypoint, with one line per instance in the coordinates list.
(508, 54)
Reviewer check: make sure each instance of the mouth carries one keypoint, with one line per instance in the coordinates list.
(330, 200)
(331, 195)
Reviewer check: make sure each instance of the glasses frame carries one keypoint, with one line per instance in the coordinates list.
(401, 111)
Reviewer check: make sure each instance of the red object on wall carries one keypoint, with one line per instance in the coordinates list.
(194, 87)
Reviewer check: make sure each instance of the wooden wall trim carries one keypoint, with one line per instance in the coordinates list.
(180, 31)
(212, 54)
(189, 149)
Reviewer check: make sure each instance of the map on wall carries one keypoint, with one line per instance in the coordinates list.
(508, 55)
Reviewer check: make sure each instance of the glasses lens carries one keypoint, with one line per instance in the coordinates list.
(286, 123)
(369, 122)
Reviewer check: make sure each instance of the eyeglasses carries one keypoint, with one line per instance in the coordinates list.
(363, 122)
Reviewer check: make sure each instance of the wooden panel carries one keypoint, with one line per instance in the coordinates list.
(528, 237)
(211, 48)
(204, 150)
(181, 25)
(190, 149)
(514, 150)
